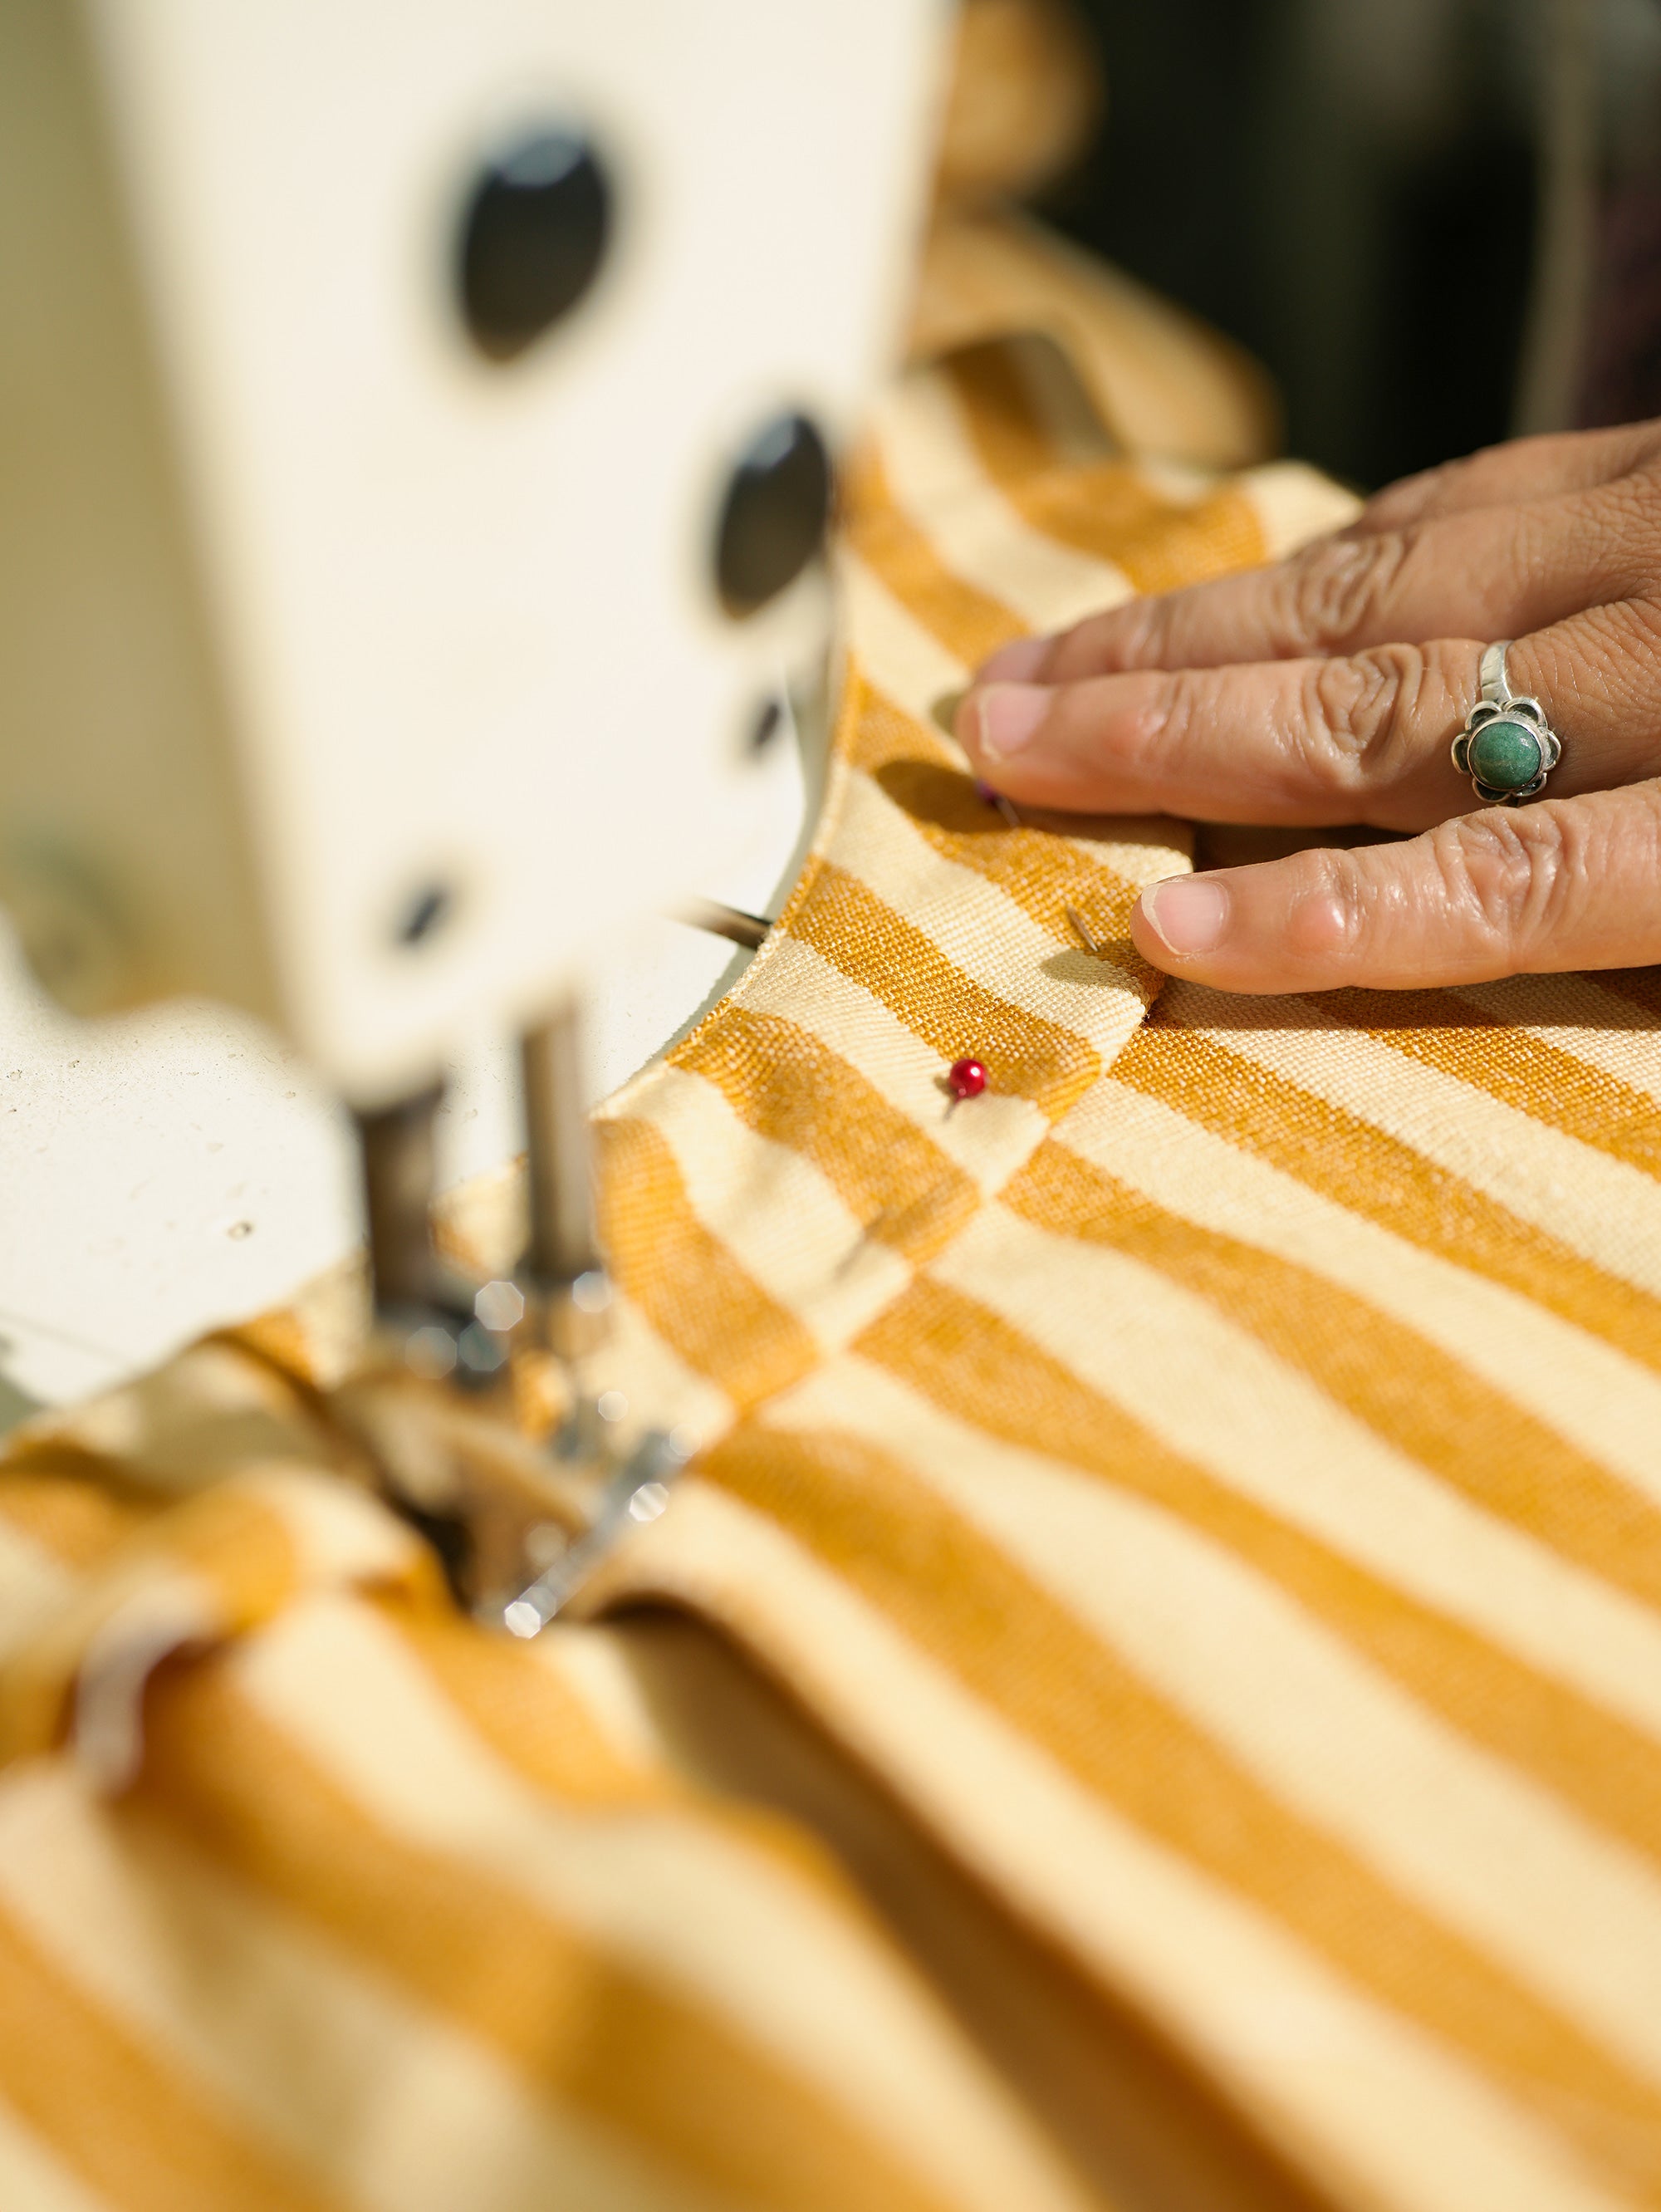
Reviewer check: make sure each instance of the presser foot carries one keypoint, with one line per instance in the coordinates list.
(485, 1409)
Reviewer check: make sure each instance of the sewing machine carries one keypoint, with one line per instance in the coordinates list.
(417, 420)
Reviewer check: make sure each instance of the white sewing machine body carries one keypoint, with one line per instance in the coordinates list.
(358, 665)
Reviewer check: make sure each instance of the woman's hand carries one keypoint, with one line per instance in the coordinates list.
(1329, 688)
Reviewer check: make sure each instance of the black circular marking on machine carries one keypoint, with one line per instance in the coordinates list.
(774, 515)
(535, 233)
(769, 721)
(426, 912)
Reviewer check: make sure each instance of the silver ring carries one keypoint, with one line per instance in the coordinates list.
(1507, 747)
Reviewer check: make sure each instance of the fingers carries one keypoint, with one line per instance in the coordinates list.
(1363, 738)
(1285, 741)
(1568, 883)
(1494, 572)
(1524, 469)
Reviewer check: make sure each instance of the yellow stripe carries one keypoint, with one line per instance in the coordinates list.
(1483, 1442)
(1576, 1385)
(1374, 1174)
(1223, 1403)
(1602, 1208)
(790, 1967)
(112, 2112)
(1639, 987)
(1010, 1388)
(528, 1712)
(691, 1290)
(963, 1601)
(789, 1086)
(783, 1223)
(32, 2179)
(1572, 1914)
(69, 1509)
(1538, 1079)
(1010, 433)
(1572, 1013)
(227, 1553)
(376, 2097)
(970, 622)
(799, 986)
(523, 1705)
(667, 2073)
(1363, 2096)
(976, 928)
(1030, 865)
(1547, 1724)
(935, 474)
(1106, 509)
(1024, 1056)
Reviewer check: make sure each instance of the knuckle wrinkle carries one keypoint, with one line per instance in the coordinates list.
(1336, 589)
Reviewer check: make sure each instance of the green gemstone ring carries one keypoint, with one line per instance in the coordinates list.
(1507, 748)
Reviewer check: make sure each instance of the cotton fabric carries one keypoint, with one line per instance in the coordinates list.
(1150, 1692)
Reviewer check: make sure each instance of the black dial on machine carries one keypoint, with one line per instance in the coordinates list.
(774, 515)
(534, 233)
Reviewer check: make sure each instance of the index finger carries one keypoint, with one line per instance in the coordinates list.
(1491, 572)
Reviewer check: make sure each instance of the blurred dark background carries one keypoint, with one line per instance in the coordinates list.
(1436, 222)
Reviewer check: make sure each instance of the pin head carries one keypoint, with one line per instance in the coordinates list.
(966, 1078)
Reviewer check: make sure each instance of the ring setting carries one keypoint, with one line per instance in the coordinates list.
(1507, 747)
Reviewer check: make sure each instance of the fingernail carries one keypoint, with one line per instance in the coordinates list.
(1014, 664)
(1009, 716)
(1188, 914)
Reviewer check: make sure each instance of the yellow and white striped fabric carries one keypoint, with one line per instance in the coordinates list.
(1184, 1526)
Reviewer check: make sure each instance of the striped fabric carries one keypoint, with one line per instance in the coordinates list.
(1182, 1528)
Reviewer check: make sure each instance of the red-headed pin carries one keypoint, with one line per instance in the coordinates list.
(966, 1078)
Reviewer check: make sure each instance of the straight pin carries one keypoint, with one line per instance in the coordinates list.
(988, 797)
(1091, 944)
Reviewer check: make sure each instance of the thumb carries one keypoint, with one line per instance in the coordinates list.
(1573, 883)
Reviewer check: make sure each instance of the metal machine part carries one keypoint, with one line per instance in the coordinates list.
(636, 1494)
(728, 921)
(418, 421)
(386, 598)
(563, 1259)
(399, 1158)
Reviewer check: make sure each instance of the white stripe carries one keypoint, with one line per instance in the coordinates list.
(691, 1905)
(1572, 1013)
(1593, 1396)
(1293, 503)
(800, 986)
(936, 478)
(1178, 483)
(340, 1534)
(593, 1663)
(661, 1390)
(32, 2177)
(345, 2073)
(33, 1586)
(1607, 1212)
(979, 928)
(486, 1216)
(1380, 2109)
(783, 1222)
(902, 661)
(901, 658)
(1576, 1912)
(1210, 1391)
